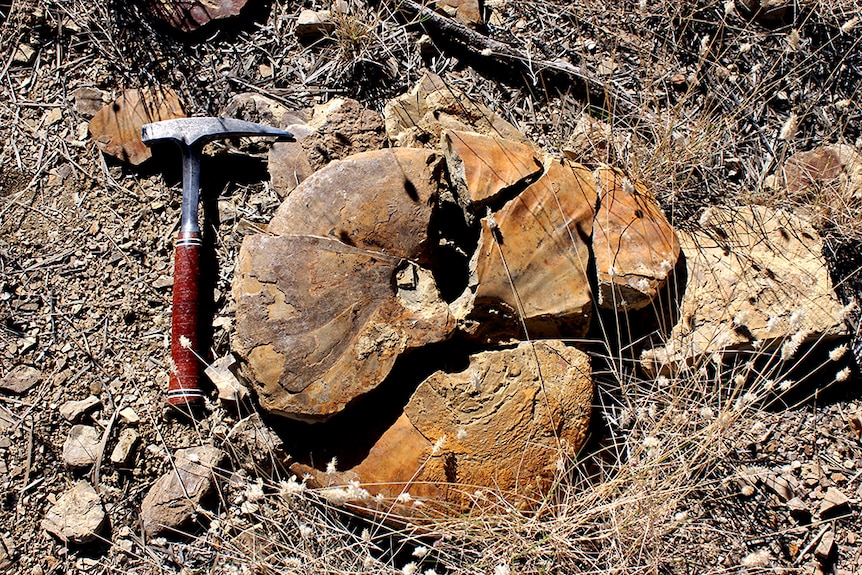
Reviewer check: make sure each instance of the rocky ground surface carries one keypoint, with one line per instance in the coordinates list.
(706, 101)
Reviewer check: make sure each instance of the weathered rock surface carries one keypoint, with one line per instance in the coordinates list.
(21, 379)
(502, 423)
(257, 448)
(82, 446)
(532, 261)
(754, 275)
(379, 200)
(123, 453)
(189, 15)
(172, 500)
(74, 410)
(481, 166)
(313, 25)
(320, 322)
(88, 101)
(827, 180)
(635, 247)
(592, 142)
(466, 12)
(77, 516)
(341, 128)
(324, 133)
(767, 11)
(221, 373)
(417, 118)
(116, 128)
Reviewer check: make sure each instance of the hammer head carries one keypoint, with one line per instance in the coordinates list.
(191, 131)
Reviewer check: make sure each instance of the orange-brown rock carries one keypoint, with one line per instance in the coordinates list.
(531, 265)
(189, 15)
(116, 128)
(417, 118)
(635, 247)
(504, 423)
(482, 166)
(320, 323)
(380, 200)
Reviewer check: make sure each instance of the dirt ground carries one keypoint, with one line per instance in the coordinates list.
(86, 246)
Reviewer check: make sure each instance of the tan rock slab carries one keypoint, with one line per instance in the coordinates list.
(481, 166)
(502, 424)
(21, 379)
(189, 15)
(81, 446)
(74, 410)
(417, 118)
(755, 277)
(123, 454)
(78, 515)
(531, 264)
(175, 496)
(116, 128)
(340, 128)
(635, 247)
(319, 322)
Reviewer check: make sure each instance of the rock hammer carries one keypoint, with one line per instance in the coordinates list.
(191, 134)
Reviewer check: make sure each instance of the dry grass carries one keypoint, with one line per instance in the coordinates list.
(717, 93)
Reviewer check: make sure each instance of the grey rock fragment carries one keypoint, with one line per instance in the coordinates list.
(21, 379)
(74, 410)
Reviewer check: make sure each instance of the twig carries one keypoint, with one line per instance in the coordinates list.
(100, 454)
(596, 91)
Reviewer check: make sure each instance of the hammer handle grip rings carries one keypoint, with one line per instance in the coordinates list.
(184, 387)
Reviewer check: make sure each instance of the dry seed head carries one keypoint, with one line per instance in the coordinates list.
(849, 24)
(843, 375)
(332, 466)
(788, 130)
(838, 352)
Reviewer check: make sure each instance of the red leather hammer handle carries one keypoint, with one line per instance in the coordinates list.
(184, 386)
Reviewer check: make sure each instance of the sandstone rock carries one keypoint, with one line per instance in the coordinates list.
(88, 101)
(77, 516)
(827, 180)
(417, 118)
(753, 275)
(767, 11)
(124, 451)
(327, 132)
(174, 497)
(635, 247)
(24, 54)
(220, 373)
(8, 553)
(834, 503)
(81, 446)
(313, 25)
(500, 424)
(482, 166)
(826, 548)
(188, 15)
(74, 410)
(592, 142)
(116, 128)
(21, 379)
(320, 323)
(380, 200)
(256, 447)
(341, 128)
(532, 260)
(130, 416)
(466, 12)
